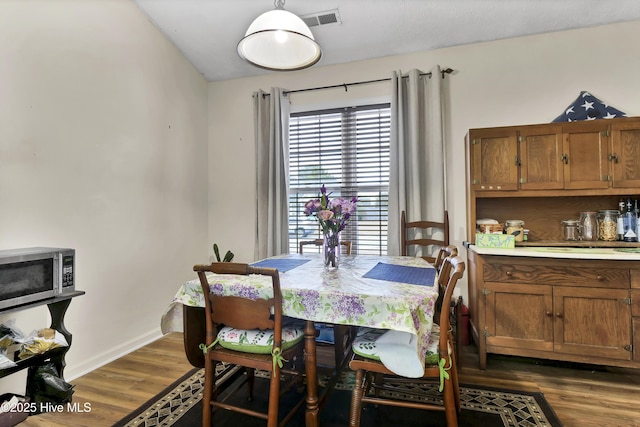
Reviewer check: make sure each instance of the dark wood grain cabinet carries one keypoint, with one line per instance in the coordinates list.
(586, 155)
(553, 306)
(541, 151)
(564, 309)
(546, 173)
(597, 154)
(625, 154)
(494, 159)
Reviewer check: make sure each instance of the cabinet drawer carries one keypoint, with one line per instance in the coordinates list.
(557, 275)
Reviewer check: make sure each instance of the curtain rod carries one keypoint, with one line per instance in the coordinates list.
(346, 85)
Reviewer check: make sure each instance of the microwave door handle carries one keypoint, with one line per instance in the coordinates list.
(59, 275)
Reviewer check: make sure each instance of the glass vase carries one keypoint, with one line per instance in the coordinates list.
(331, 250)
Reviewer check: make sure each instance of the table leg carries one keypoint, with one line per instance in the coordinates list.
(195, 331)
(311, 415)
(57, 311)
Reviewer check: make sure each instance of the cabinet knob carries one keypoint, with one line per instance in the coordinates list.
(600, 278)
(559, 315)
(508, 273)
(549, 314)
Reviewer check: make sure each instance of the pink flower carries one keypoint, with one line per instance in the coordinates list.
(325, 215)
(332, 214)
(312, 206)
(348, 207)
(336, 204)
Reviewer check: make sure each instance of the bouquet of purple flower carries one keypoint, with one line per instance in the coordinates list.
(332, 214)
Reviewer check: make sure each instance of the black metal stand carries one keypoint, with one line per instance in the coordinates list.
(57, 308)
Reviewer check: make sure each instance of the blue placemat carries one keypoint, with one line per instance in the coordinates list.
(402, 274)
(281, 264)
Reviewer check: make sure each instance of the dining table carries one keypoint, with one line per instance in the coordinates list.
(394, 293)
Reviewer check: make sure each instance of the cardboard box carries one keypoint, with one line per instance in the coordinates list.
(504, 241)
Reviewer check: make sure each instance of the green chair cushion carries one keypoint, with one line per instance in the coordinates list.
(365, 345)
(257, 341)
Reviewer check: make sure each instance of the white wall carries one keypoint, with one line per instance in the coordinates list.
(103, 136)
(510, 82)
(103, 127)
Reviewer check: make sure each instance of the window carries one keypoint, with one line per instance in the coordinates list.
(347, 150)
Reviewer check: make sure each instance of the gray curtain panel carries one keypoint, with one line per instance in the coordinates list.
(417, 152)
(271, 123)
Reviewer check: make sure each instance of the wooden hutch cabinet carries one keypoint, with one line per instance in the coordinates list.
(550, 298)
(493, 155)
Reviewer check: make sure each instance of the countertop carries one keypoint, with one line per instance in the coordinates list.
(560, 252)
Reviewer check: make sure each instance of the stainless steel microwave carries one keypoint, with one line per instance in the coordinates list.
(33, 274)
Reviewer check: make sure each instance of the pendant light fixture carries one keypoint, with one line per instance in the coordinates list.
(279, 40)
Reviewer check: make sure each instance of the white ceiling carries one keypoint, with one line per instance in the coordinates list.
(207, 31)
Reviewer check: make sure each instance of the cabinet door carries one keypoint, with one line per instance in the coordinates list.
(585, 157)
(494, 159)
(625, 156)
(519, 316)
(541, 158)
(592, 322)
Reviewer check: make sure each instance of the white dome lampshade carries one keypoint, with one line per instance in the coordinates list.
(279, 40)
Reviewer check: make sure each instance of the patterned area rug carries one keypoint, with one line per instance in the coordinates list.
(180, 405)
(167, 407)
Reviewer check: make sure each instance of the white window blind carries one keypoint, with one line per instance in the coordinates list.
(347, 150)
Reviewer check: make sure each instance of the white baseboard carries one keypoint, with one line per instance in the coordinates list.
(94, 363)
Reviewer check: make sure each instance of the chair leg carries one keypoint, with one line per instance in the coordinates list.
(274, 397)
(454, 382)
(209, 384)
(339, 332)
(456, 387)
(356, 399)
(250, 382)
(458, 318)
(449, 404)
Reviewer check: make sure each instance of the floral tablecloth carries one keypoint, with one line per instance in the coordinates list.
(342, 296)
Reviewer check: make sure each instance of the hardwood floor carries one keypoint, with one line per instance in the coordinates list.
(116, 389)
(581, 395)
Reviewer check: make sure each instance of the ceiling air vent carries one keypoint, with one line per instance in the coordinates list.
(322, 18)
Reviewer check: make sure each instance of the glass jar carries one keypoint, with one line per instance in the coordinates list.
(515, 227)
(570, 229)
(588, 226)
(608, 225)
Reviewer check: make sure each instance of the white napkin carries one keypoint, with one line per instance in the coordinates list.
(398, 351)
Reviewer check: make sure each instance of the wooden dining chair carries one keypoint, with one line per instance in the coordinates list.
(444, 252)
(373, 378)
(456, 303)
(319, 242)
(249, 333)
(428, 229)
